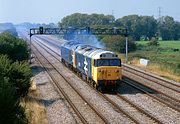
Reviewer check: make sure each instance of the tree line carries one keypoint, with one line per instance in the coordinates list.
(139, 27)
(8, 27)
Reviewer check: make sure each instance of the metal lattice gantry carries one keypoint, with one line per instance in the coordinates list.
(80, 31)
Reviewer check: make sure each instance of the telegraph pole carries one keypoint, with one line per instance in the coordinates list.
(126, 35)
(30, 47)
(112, 13)
(159, 14)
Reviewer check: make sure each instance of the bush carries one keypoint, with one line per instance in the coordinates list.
(153, 42)
(14, 79)
(10, 110)
(19, 74)
(14, 83)
(117, 43)
(14, 47)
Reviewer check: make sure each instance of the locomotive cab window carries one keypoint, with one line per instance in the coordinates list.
(107, 62)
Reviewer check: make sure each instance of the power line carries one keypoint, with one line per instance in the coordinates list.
(160, 14)
(112, 13)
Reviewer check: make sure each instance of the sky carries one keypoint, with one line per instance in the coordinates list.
(46, 11)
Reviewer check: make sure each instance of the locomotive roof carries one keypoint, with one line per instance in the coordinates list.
(70, 45)
(95, 53)
(90, 51)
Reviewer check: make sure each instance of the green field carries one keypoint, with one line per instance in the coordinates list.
(166, 55)
(164, 44)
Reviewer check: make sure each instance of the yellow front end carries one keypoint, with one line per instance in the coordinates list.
(106, 73)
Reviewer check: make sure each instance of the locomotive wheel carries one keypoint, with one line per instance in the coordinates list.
(95, 85)
(91, 82)
(62, 60)
(99, 88)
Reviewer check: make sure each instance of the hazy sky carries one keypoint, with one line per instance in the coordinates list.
(45, 11)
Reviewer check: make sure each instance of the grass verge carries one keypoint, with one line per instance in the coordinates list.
(158, 69)
(164, 59)
(35, 110)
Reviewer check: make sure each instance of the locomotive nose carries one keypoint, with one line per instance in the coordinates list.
(109, 73)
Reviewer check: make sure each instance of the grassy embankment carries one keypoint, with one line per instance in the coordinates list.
(164, 59)
(35, 110)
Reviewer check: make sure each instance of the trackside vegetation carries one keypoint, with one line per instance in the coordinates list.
(14, 48)
(139, 27)
(15, 75)
(165, 56)
(117, 43)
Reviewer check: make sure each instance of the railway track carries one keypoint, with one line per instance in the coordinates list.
(160, 96)
(75, 100)
(158, 93)
(170, 103)
(114, 105)
(151, 77)
(129, 114)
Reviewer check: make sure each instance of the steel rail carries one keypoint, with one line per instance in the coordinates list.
(149, 94)
(139, 109)
(158, 91)
(155, 81)
(64, 94)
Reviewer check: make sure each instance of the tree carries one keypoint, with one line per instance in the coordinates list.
(18, 73)
(8, 27)
(85, 20)
(10, 110)
(177, 31)
(131, 22)
(148, 26)
(138, 26)
(14, 47)
(14, 79)
(117, 43)
(169, 29)
(153, 42)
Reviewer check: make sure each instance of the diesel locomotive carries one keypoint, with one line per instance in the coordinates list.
(99, 67)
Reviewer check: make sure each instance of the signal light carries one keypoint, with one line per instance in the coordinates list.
(41, 30)
(88, 30)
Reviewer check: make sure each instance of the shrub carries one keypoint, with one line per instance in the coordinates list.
(19, 74)
(10, 110)
(153, 42)
(117, 43)
(14, 47)
(14, 79)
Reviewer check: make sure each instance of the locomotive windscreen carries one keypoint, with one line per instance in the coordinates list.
(107, 62)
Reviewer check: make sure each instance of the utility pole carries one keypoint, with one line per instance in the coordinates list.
(112, 13)
(126, 35)
(30, 46)
(159, 14)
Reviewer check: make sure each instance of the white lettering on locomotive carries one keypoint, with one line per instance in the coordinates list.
(85, 66)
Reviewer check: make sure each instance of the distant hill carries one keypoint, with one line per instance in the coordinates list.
(28, 25)
(8, 27)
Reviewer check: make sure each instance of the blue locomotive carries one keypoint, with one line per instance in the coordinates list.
(99, 67)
